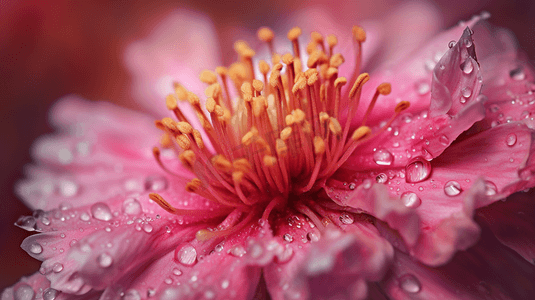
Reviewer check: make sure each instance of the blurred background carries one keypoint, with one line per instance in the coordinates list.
(52, 48)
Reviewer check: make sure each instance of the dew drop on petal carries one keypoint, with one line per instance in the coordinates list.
(177, 272)
(156, 183)
(452, 188)
(237, 251)
(101, 211)
(218, 248)
(57, 267)
(36, 248)
(409, 283)
(490, 188)
(510, 140)
(104, 260)
(466, 92)
(467, 66)
(24, 292)
(131, 207)
(85, 216)
(50, 294)
(147, 228)
(288, 237)
(417, 170)
(517, 74)
(131, 294)
(346, 218)
(224, 284)
(187, 255)
(410, 200)
(352, 186)
(444, 140)
(381, 178)
(383, 157)
(26, 222)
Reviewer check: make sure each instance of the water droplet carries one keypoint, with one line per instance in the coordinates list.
(383, 157)
(68, 188)
(288, 237)
(467, 66)
(224, 284)
(177, 272)
(466, 92)
(50, 294)
(411, 200)
(237, 251)
(57, 267)
(444, 140)
(346, 218)
(104, 260)
(451, 44)
(147, 228)
(131, 207)
(132, 294)
(187, 255)
(417, 170)
(468, 43)
(36, 248)
(312, 237)
(452, 188)
(24, 292)
(409, 283)
(26, 222)
(381, 178)
(285, 255)
(352, 186)
(85, 217)
(490, 188)
(101, 211)
(517, 74)
(151, 292)
(156, 183)
(510, 140)
(422, 88)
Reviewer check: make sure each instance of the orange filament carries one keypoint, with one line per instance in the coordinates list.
(281, 137)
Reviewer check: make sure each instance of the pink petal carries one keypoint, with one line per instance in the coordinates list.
(178, 49)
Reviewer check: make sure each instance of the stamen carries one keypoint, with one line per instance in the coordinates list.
(383, 89)
(208, 77)
(266, 35)
(293, 34)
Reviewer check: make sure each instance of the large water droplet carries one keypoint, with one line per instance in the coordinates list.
(237, 251)
(187, 255)
(510, 140)
(466, 92)
(467, 66)
(26, 222)
(490, 188)
(383, 157)
(57, 267)
(417, 170)
(131, 207)
(517, 74)
(147, 228)
(24, 292)
(381, 178)
(36, 248)
(101, 211)
(156, 183)
(132, 294)
(409, 283)
(452, 188)
(50, 294)
(346, 218)
(411, 200)
(104, 260)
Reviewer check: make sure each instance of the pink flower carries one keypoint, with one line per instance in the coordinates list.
(301, 185)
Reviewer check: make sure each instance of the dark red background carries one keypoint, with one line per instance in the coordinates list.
(52, 48)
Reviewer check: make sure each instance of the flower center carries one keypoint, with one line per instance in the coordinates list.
(282, 136)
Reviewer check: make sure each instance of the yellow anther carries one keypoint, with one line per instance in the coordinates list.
(294, 33)
(198, 139)
(237, 176)
(307, 128)
(265, 34)
(324, 117)
(210, 105)
(319, 145)
(281, 147)
(219, 111)
(336, 60)
(359, 34)
(312, 78)
(181, 92)
(237, 72)
(275, 58)
(221, 163)
(258, 85)
(193, 185)
(290, 120)
(299, 84)
(166, 141)
(360, 133)
(332, 40)
(226, 116)
(213, 90)
(361, 80)
(208, 77)
(401, 106)
(243, 49)
(169, 124)
(161, 202)
(287, 58)
(287, 131)
(311, 47)
(263, 145)
(247, 90)
(183, 141)
(384, 88)
(184, 127)
(193, 99)
(222, 71)
(340, 81)
(331, 72)
(248, 138)
(187, 158)
(299, 115)
(263, 66)
(269, 160)
(159, 125)
(277, 66)
(314, 58)
(334, 126)
(316, 37)
(241, 164)
(171, 102)
(274, 78)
